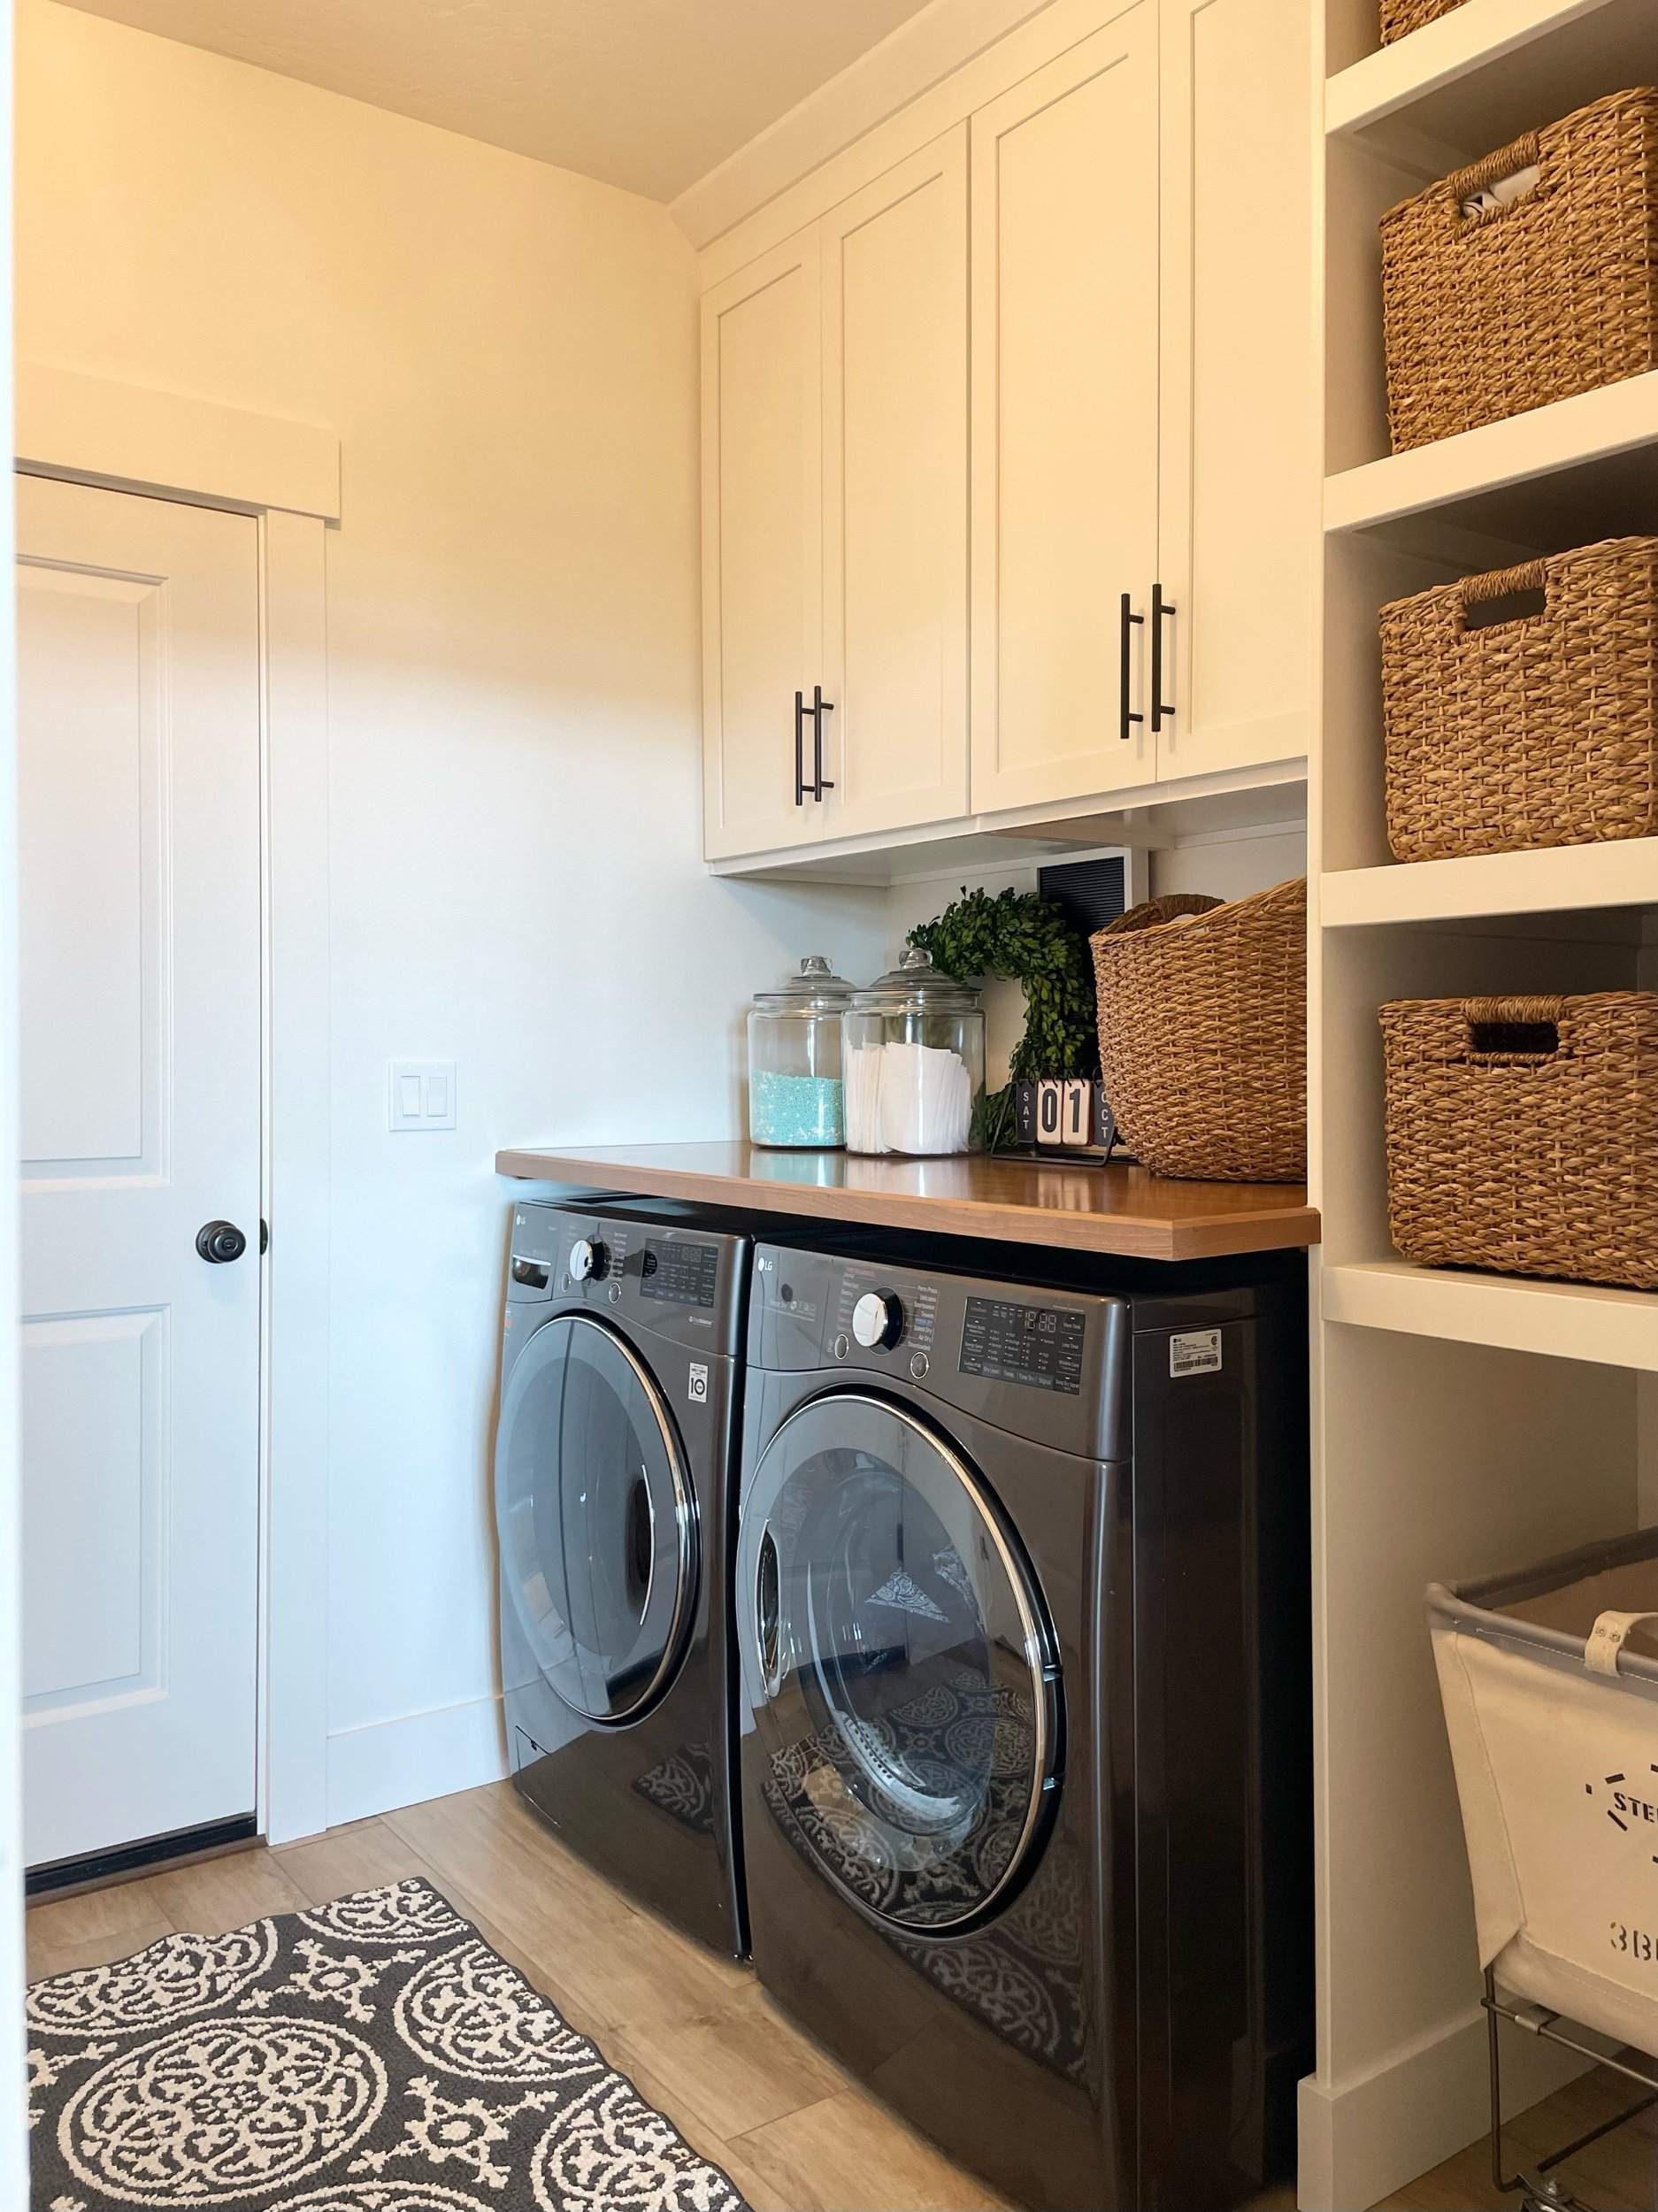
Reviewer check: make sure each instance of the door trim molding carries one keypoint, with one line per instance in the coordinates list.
(160, 444)
(128, 437)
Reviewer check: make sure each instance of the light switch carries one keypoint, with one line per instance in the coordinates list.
(421, 1095)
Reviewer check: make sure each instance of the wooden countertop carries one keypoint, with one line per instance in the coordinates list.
(1077, 1208)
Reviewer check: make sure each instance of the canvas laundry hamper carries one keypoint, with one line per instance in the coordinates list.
(1550, 1683)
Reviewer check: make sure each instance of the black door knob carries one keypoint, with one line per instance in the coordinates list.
(218, 1241)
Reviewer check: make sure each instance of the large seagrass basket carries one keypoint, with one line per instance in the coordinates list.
(1541, 729)
(1489, 313)
(1400, 17)
(1523, 1134)
(1203, 1034)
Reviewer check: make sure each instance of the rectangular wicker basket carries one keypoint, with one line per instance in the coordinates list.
(1488, 314)
(1523, 1134)
(1204, 1034)
(1400, 17)
(1538, 730)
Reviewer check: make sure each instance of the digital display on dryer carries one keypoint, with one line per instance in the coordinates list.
(682, 1274)
(1039, 1346)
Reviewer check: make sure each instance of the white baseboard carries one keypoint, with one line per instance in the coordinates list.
(1363, 2138)
(403, 1762)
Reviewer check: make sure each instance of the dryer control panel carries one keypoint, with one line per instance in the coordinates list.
(1048, 1364)
(1040, 1348)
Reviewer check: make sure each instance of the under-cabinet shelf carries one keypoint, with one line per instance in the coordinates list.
(1610, 1328)
(1563, 879)
(1583, 469)
(1491, 69)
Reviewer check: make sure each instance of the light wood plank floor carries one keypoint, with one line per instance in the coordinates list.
(696, 2033)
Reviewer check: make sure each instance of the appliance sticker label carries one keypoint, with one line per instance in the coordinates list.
(698, 1391)
(1194, 1352)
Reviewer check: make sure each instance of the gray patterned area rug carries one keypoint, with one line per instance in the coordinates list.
(372, 2056)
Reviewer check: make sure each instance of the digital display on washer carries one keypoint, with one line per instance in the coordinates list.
(1041, 1346)
(684, 1274)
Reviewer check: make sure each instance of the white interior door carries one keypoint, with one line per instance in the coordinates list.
(1237, 528)
(761, 550)
(138, 651)
(1064, 211)
(895, 314)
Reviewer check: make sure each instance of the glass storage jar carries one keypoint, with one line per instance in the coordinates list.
(794, 1093)
(915, 1062)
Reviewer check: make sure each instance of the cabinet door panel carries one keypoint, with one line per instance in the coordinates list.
(894, 264)
(762, 538)
(1237, 525)
(1065, 198)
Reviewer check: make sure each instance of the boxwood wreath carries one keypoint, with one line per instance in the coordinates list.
(1026, 938)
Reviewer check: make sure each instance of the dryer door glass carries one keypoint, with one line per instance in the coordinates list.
(900, 1664)
(597, 1519)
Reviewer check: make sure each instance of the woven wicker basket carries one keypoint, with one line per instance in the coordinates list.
(1203, 1034)
(1541, 730)
(1523, 1134)
(1486, 315)
(1402, 17)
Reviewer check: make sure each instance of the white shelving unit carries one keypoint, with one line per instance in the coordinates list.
(1564, 879)
(1461, 479)
(1464, 1422)
(1612, 1328)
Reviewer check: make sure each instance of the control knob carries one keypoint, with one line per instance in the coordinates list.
(588, 1260)
(877, 1320)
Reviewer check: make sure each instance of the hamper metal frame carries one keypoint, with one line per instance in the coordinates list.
(1539, 2021)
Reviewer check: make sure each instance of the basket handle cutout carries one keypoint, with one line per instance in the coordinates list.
(1606, 1640)
(1483, 603)
(1512, 1028)
(1480, 176)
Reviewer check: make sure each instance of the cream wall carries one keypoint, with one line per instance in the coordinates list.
(13, 2099)
(507, 352)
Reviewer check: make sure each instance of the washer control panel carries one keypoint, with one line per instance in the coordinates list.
(687, 1284)
(684, 1274)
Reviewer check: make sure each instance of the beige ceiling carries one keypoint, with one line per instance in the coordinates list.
(649, 94)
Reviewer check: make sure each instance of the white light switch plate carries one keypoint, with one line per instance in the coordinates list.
(420, 1095)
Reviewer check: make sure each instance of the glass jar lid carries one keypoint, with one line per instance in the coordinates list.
(816, 986)
(915, 981)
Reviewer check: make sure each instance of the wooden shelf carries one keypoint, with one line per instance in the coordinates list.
(1115, 1209)
(1611, 1328)
(1563, 879)
(1493, 68)
(1584, 469)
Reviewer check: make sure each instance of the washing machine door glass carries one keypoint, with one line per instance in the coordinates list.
(900, 1664)
(596, 1518)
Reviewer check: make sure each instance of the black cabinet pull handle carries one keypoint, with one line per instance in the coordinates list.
(1161, 709)
(1128, 716)
(800, 758)
(820, 706)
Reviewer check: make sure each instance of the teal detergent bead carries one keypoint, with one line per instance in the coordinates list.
(795, 1110)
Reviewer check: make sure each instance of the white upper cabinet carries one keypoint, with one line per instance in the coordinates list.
(1038, 379)
(835, 521)
(894, 421)
(1065, 420)
(1236, 531)
(762, 547)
